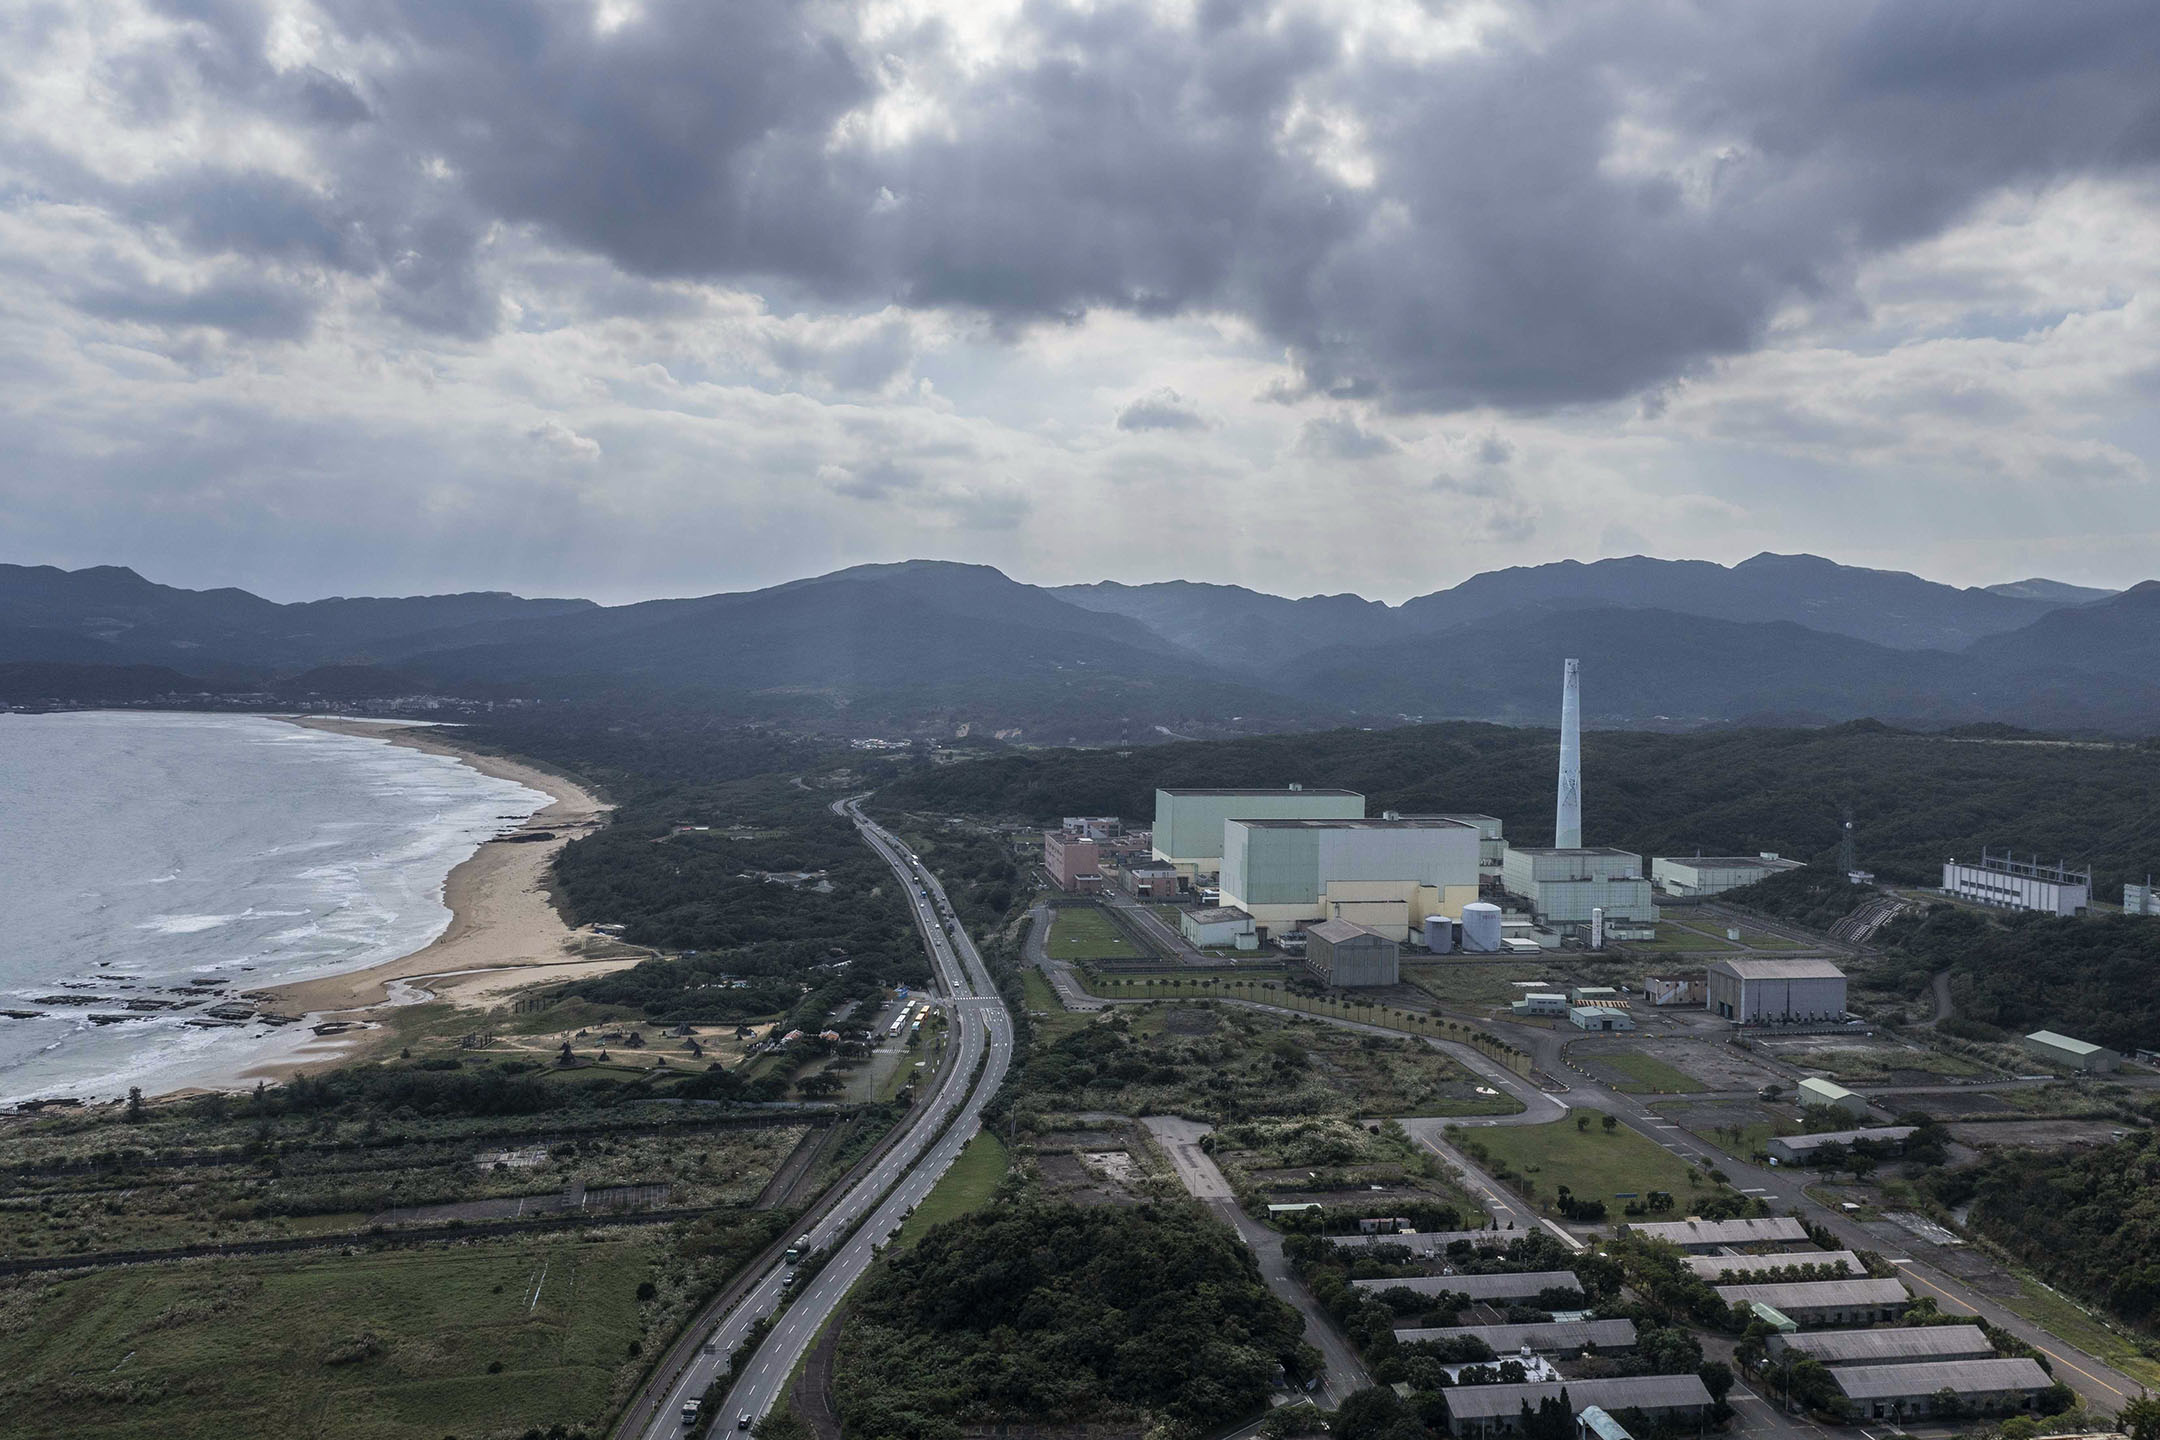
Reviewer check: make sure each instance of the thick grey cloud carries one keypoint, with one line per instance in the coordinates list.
(1162, 409)
(1341, 437)
(1591, 201)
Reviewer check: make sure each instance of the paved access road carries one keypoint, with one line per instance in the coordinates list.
(983, 1039)
(1344, 1376)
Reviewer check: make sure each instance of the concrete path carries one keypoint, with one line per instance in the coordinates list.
(1344, 1375)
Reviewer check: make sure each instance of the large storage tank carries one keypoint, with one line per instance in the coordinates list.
(1439, 934)
(1481, 928)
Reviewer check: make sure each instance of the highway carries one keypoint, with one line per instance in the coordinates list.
(982, 1036)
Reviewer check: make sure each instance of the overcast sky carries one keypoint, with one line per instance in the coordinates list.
(635, 297)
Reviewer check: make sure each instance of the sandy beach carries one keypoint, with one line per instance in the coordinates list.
(503, 932)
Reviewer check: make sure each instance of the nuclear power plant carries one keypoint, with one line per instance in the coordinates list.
(1589, 892)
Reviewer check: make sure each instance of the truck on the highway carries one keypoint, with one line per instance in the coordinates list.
(689, 1412)
(796, 1251)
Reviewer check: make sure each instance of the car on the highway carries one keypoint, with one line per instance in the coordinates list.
(742, 1421)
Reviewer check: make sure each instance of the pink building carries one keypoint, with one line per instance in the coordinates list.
(1072, 862)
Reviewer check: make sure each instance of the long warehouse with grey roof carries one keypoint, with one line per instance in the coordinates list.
(1887, 1347)
(1554, 1337)
(1880, 1392)
(1713, 1267)
(1524, 1285)
(1702, 1234)
(1477, 1411)
(1825, 1302)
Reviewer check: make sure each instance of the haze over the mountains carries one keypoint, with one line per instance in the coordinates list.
(928, 646)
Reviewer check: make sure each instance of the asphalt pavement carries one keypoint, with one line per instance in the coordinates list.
(983, 1041)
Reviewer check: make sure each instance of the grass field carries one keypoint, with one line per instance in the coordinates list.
(966, 1187)
(1051, 1019)
(1477, 984)
(1592, 1163)
(1085, 933)
(2061, 1316)
(480, 1339)
(1648, 1075)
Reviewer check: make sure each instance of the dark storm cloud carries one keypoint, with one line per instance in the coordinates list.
(1584, 207)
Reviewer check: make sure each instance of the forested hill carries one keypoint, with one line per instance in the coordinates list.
(1915, 798)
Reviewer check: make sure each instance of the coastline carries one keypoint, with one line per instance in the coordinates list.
(504, 930)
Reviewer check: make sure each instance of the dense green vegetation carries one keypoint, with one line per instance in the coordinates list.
(2088, 1221)
(1915, 798)
(2092, 978)
(481, 1338)
(1055, 1313)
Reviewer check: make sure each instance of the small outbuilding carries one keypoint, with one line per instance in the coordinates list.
(1833, 1096)
(1594, 995)
(1219, 929)
(1541, 1002)
(2075, 1055)
(1808, 1149)
(1599, 1017)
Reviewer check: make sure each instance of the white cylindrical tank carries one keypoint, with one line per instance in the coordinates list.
(1439, 934)
(1481, 928)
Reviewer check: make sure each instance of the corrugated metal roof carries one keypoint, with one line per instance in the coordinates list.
(1780, 969)
(1337, 931)
(1912, 1342)
(1481, 1287)
(1830, 1088)
(1963, 1377)
(1723, 1232)
(2064, 1042)
(1800, 1144)
(1552, 1335)
(1709, 1267)
(1816, 1294)
(1627, 1392)
(1233, 790)
(1428, 1242)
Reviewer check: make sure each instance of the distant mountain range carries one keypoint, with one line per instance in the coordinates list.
(931, 646)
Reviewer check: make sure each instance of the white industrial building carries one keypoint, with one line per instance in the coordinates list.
(1562, 886)
(1220, 929)
(1714, 874)
(1346, 955)
(1677, 991)
(1599, 1017)
(1832, 1096)
(2079, 1055)
(2141, 899)
(2011, 884)
(1386, 875)
(1189, 823)
(1492, 841)
(1548, 1004)
(1777, 992)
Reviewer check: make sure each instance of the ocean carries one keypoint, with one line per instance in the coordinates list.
(154, 866)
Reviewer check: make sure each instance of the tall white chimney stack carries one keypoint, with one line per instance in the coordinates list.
(1567, 821)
